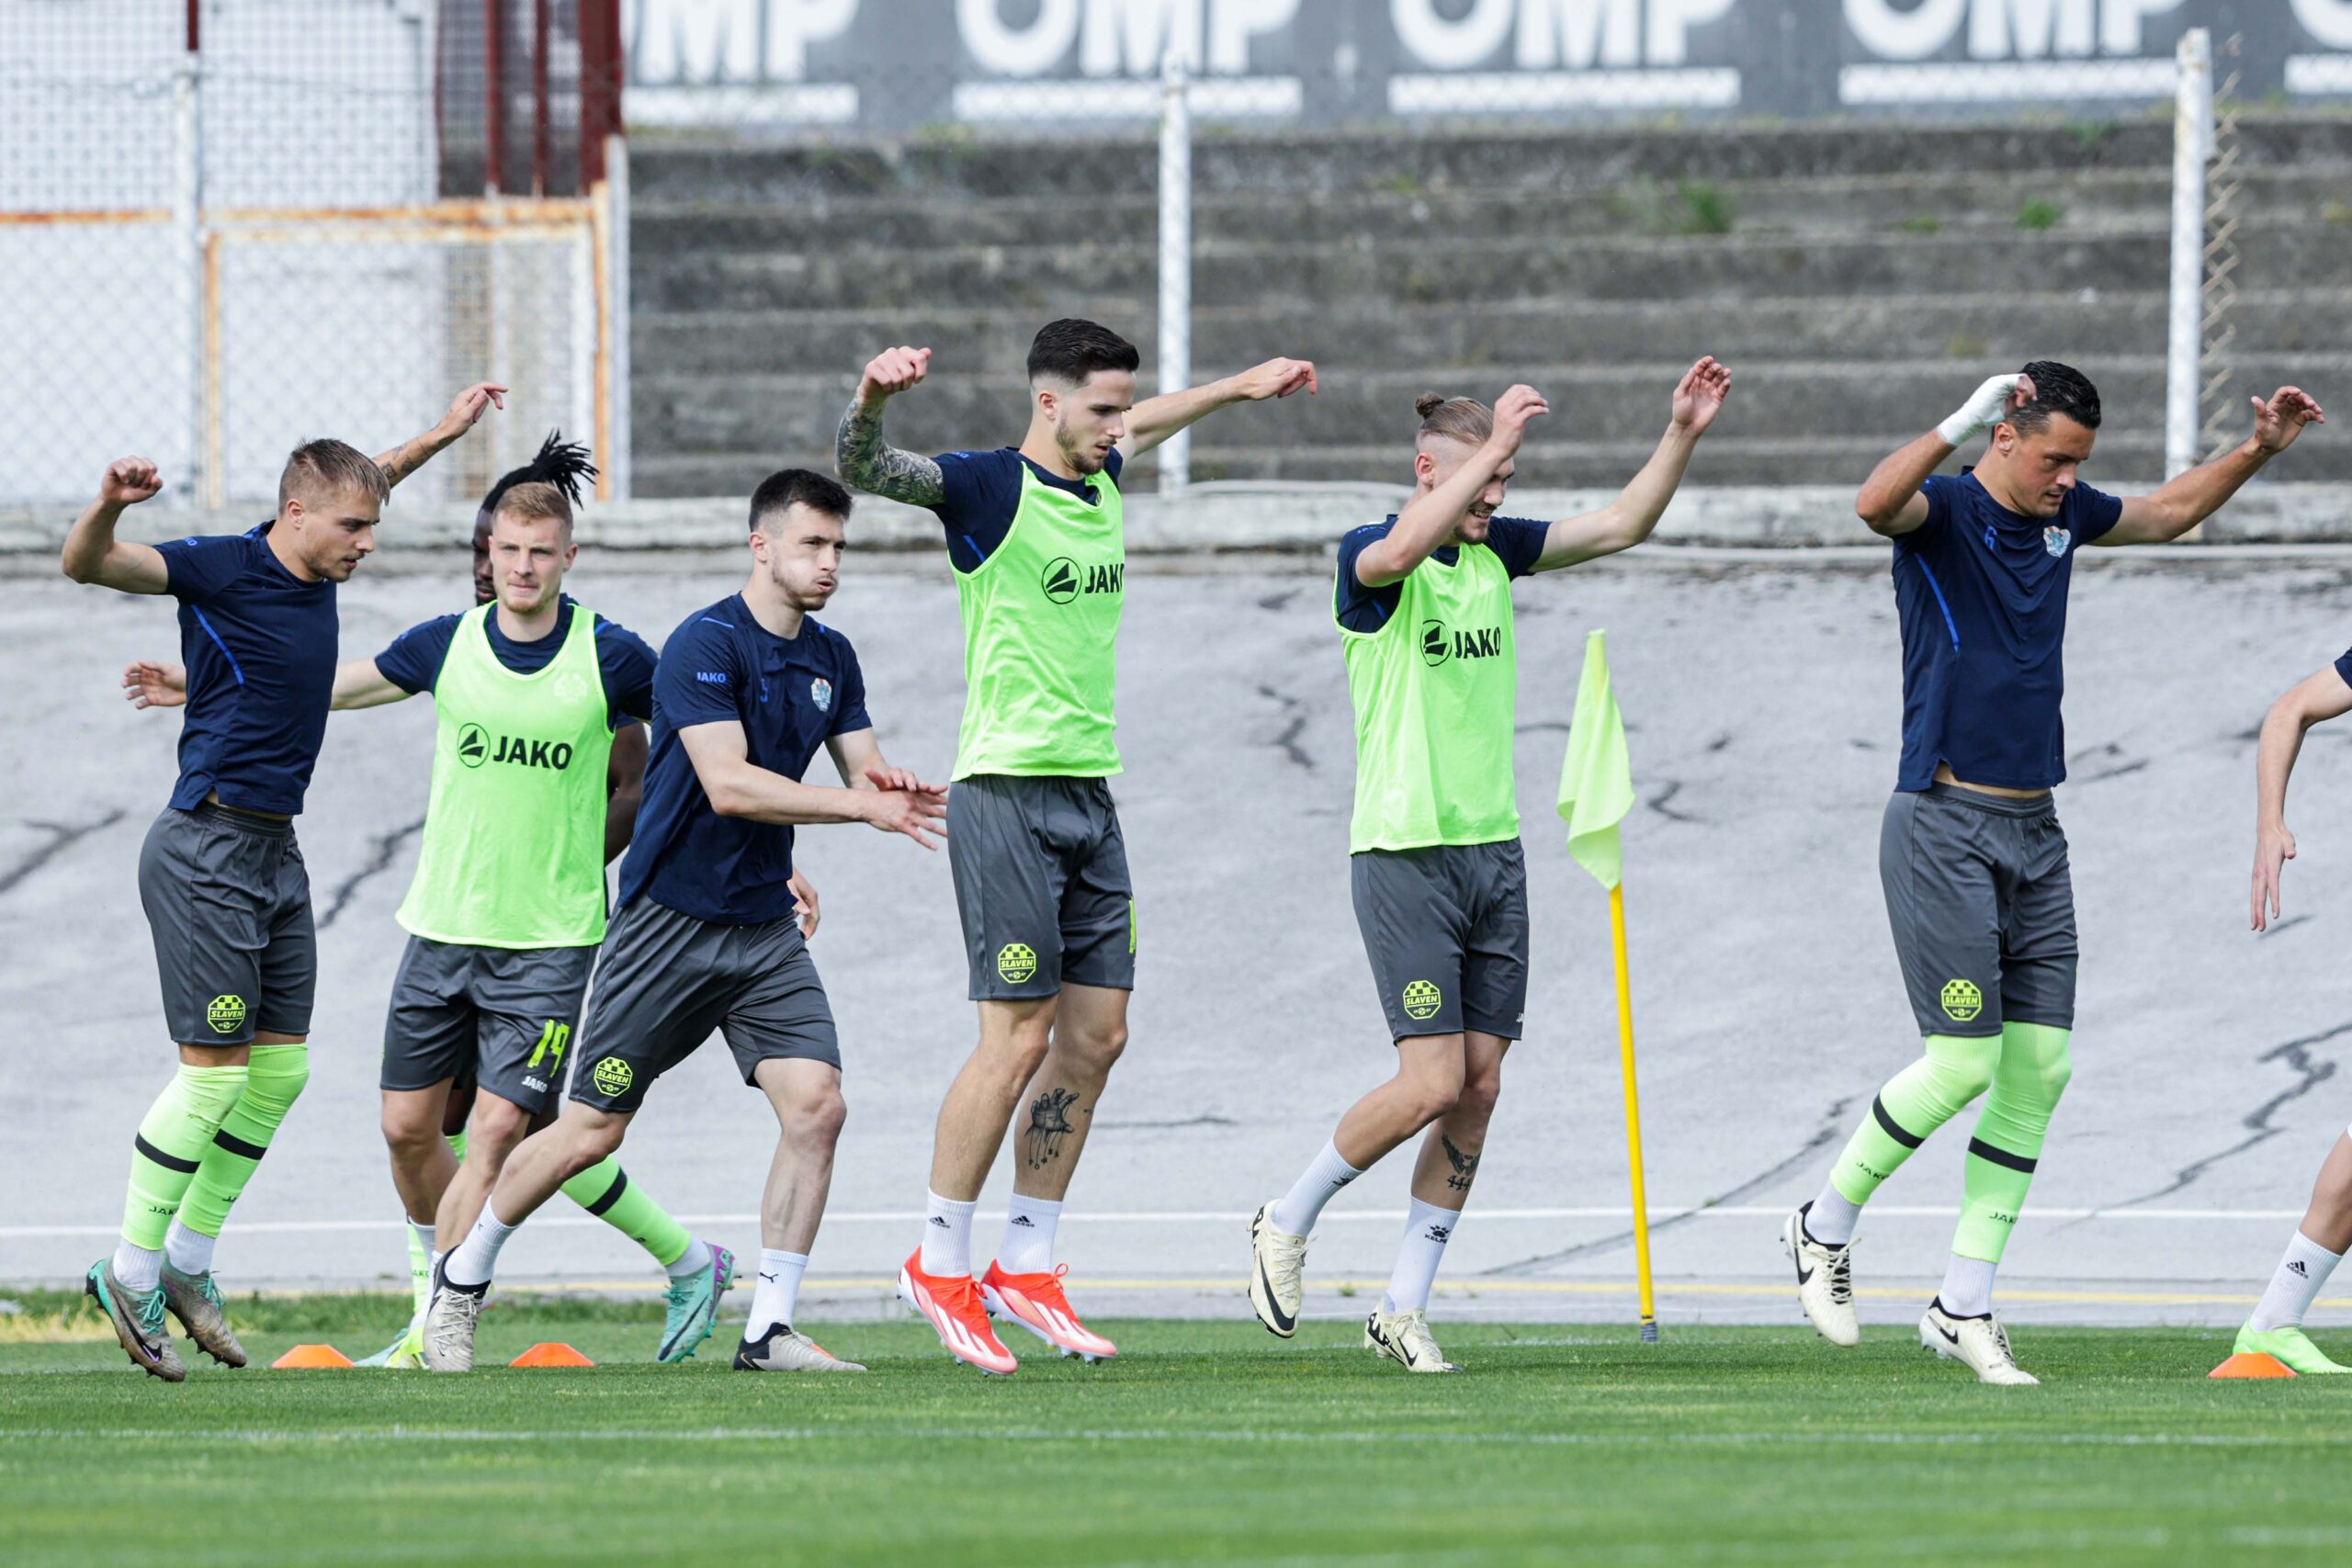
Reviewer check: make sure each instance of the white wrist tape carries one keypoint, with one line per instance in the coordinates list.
(1982, 410)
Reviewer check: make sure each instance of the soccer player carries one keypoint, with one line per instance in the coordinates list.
(1424, 613)
(1978, 888)
(2277, 1327)
(1035, 536)
(747, 691)
(227, 899)
(465, 1014)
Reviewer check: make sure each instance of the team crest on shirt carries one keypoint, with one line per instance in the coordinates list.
(2055, 539)
(820, 691)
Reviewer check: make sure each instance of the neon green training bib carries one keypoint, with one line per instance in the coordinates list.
(514, 847)
(1436, 690)
(1041, 628)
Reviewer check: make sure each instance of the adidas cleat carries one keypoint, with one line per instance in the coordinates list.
(138, 1322)
(956, 1314)
(1037, 1303)
(2291, 1346)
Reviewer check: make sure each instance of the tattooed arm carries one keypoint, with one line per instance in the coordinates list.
(464, 410)
(865, 460)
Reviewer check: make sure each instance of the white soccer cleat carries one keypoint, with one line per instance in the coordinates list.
(1825, 1283)
(785, 1349)
(449, 1321)
(1405, 1338)
(1980, 1344)
(1278, 1262)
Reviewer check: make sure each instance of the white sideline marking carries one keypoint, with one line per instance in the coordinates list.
(1204, 1217)
(401, 1434)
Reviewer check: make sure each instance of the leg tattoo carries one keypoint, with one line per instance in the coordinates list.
(1465, 1167)
(1049, 1125)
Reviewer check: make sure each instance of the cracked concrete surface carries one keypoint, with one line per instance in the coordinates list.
(1765, 691)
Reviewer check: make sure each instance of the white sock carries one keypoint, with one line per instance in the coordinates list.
(188, 1251)
(777, 1292)
(1968, 1286)
(1833, 1217)
(1296, 1211)
(473, 1261)
(947, 1237)
(138, 1268)
(1028, 1245)
(1427, 1230)
(693, 1260)
(2284, 1301)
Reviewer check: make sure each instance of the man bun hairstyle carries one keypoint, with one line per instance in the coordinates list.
(560, 463)
(1457, 419)
(1074, 348)
(2057, 388)
(535, 501)
(320, 470)
(804, 487)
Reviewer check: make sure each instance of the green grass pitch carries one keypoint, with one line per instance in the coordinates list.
(1204, 1442)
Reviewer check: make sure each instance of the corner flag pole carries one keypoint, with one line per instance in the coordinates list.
(1632, 1114)
(1596, 792)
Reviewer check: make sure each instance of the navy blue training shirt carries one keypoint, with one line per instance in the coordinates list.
(412, 661)
(1518, 541)
(983, 491)
(259, 645)
(791, 696)
(1982, 594)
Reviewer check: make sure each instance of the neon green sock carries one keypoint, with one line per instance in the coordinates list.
(275, 1078)
(2008, 1144)
(458, 1145)
(420, 1268)
(1915, 1103)
(169, 1149)
(605, 1192)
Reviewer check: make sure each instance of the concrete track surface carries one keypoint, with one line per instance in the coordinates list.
(1761, 695)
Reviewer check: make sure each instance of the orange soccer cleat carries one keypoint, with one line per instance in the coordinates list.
(952, 1306)
(1037, 1303)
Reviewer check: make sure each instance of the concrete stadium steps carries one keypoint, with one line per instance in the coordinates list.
(1452, 342)
(1863, 204)
(1854, 275)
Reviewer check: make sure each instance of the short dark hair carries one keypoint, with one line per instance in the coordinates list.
(819, 492)
(319, 470)
(1074, 348)
(2057, 388)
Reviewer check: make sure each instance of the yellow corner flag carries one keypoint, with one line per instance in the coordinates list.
(1597, 784)
(1596, 792)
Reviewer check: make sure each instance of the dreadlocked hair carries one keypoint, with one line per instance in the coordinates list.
(560, 463)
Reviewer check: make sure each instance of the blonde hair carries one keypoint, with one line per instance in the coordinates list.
(320, 470)
(532, 502)
(1465, 419)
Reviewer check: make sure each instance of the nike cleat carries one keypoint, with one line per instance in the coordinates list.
(1037, 1303)
(1980, 1344)
(956, 1314)
(196, 1301)
(1278, 1259)
(1825, 1283)
(1405, 1338)
(138, 1322)
(693, 1306)
(450, 1319)
(2291, 1346)
(404, 1354)
(783, 1348)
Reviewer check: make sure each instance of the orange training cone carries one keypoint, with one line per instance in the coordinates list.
(552, 1354)
(2253, 1364)
(311, 1358)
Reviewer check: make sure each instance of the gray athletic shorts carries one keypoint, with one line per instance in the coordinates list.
(1446, 929)
(1040, 883)
(665, 980)
(501, 1018)
(228, 905)
(1982, 906)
